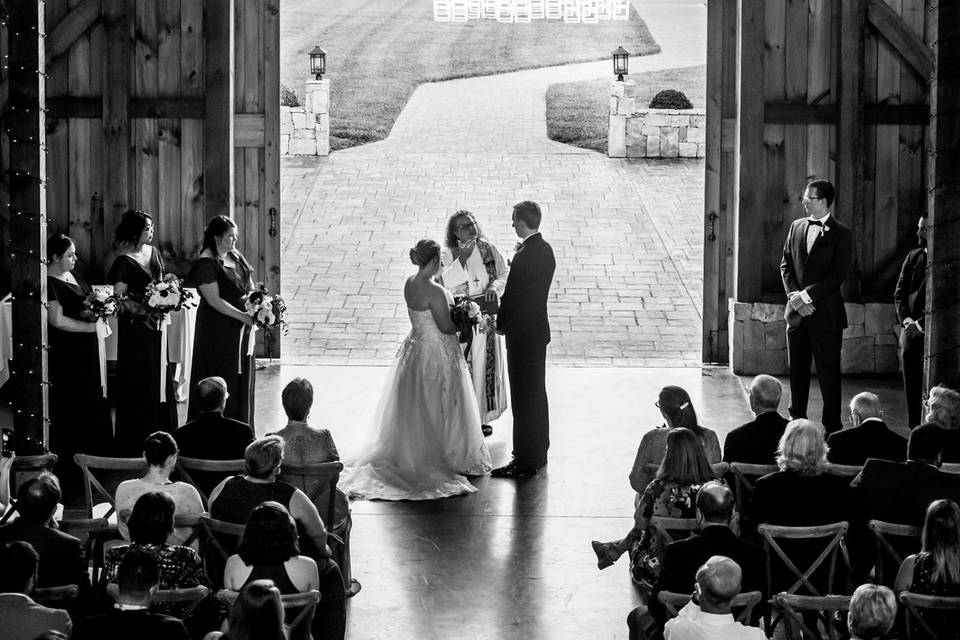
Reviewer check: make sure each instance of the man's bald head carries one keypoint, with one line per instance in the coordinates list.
(210, 394)
(865, 405)
(719, 581)
(765, 392)
(715, 503)
(37, 498)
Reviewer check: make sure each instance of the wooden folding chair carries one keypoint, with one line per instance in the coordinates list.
(24, 468)
(215, 547)
(191, 522)
(793, 607)
(744, 603)
(188, 598)
(950, 467)
(915, 604)
(190, 468)
(92, 533)
(719, 468)
(844, 470)
(882, 532)
(118, 469)
(304, 604)
(744, 475)
(668, 527)
(56, 597)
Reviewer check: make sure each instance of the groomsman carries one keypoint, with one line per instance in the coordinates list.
(909, 298)
(523, 320)
(816, 257)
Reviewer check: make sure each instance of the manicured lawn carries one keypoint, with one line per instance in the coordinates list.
(378, 51)
(578, 112)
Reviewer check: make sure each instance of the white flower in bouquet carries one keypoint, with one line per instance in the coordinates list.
(473, 310)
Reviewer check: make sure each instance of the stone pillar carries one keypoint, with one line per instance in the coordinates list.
(305, 130)
(317, 103)
(622, 104)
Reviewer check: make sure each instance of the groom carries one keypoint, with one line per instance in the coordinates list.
(523, 320)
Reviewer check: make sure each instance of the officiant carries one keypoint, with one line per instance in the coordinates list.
(472, 266)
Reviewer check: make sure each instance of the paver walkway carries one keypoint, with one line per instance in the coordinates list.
(627, 234)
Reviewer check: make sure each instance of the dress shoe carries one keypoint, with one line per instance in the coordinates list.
(354, 588)
(486, 429)
(607, 553)
(514, 470)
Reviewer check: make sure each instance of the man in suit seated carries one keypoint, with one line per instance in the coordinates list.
(212, 436)
(62, 560)
(24, 619)
(756, 441)
(138, 579)
(868, 437)
(900, 492)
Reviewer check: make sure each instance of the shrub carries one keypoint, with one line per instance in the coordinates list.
(288, 98)
(670, 99)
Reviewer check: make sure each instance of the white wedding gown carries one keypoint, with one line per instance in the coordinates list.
(426, 435)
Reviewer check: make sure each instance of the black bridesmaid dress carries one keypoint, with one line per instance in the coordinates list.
(139, 411)
(220, 342)
(79, 414)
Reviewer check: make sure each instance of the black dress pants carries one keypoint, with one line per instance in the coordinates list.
(526, 366)
(911, 361)
(823, 348)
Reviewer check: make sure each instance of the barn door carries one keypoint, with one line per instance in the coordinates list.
(256, 102)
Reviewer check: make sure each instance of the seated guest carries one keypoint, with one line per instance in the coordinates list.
(160, 452)
(943, 408)
(935, 571)
(677, 411)
(256, 615)
(799, 495)
(62, 560)
(707, 616)
(212, 436)
(682, 558)
(756, 442)
(304, 445)
(672, 493)
(137, 578)
(873, 610)
(867, 437)
(22, 618)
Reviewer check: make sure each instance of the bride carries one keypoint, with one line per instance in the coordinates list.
(426, 434)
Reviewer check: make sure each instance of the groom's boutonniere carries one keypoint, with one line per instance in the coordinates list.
(517, 247)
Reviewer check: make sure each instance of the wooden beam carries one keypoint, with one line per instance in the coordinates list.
(849, 206)
(248, 130)
(177, 108)
(873, 114)
(218, 63)
(116, 111)
(71, 28)
(714, 312)
(901, 37)
(27, 135)
(942, 342)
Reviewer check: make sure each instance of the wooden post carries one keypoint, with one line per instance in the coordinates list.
(218, 64)
(714, 294)
(942, 342)
(116, 115)
(850, 134)
(26, 130)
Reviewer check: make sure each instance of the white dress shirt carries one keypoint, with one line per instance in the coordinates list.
(693, 624)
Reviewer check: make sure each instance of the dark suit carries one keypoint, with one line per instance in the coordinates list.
(62, 559)
(819, 337)
(212, 436)
(872, 439)
(523, 320)
(910, 300)
(755, 442)
(139, 624)
(682, 558)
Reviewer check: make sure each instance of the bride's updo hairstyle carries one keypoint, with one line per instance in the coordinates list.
(675, 403)
(424, 252)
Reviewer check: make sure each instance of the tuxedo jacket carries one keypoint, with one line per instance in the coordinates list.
(139, 624)
(872, 439)
(900, 492)
(212, 436)
(523, 307)
(756, 441)
(820, 272)
(910, 294)
(62, 560)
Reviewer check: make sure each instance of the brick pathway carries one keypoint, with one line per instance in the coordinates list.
(627, 234)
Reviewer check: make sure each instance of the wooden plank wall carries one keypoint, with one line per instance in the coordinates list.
(101, 163)
(800, 63)
(4, 165)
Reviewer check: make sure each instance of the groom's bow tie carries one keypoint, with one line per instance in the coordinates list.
(813, 222)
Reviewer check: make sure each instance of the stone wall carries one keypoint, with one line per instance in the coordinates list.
(636, 132)
(305, 131)
(758, 339)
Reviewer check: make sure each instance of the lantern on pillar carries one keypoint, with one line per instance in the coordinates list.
(621, 60)
(318, 62)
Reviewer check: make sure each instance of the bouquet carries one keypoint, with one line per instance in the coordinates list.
(465, 315)
(266, 310)
(164, 295)
(100, 304)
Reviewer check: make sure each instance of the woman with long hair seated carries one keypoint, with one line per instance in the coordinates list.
(935, 571)
(256, 615)
(672, 493)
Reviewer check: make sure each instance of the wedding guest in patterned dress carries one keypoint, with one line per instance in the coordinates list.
(472, 266)
(672, 493)
(935, 571)
(224, 279)
(142, 371)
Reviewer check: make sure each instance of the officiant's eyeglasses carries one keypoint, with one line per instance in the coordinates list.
(806, 197)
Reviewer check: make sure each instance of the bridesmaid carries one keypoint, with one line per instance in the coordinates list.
(79, 413)
(223, 277)
(141, 366)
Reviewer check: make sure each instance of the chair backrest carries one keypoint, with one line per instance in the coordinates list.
(305, 603)
(882, 532)
(915, 604)
(26, 467)
(719, 468)
(743, 603)
(669, 527)
(319, 482)
(831, 533)
(950, 467)
(92, 533)
(189, 597)
(793, 607)
(57, 597)
(744, 475)
(112, 471)
(218, 468)
(216, 548)
(191, 522)
(844, 470)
